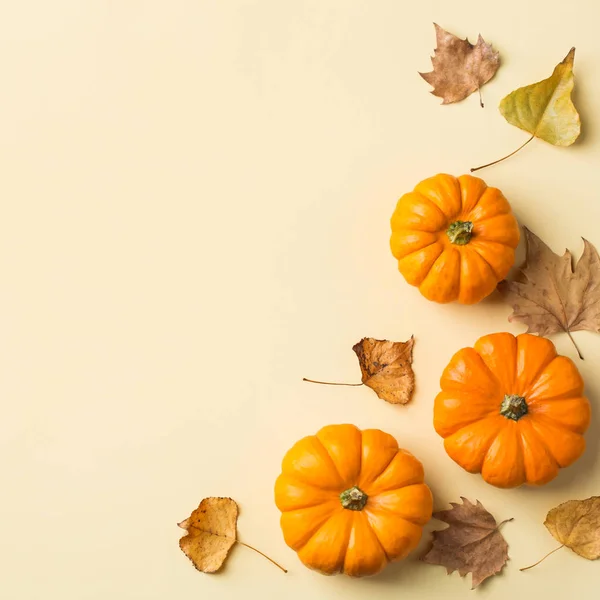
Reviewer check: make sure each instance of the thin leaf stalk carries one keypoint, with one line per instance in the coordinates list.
(331, 382)
(503, 158)
(542, 559)
(505, 521)
(574, 344)
(262, 554)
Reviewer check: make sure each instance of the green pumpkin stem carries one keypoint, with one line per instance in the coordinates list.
(460, 232)
(353, 498)
(513, 407)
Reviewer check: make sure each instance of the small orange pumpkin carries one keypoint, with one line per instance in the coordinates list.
(351, 500)
(512, 409)
(454, 238)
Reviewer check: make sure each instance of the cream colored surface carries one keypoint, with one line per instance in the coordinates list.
(195, 216)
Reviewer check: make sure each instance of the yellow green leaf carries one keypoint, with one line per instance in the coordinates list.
(545, 109)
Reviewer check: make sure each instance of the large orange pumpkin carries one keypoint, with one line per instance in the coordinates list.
(512, 409)
(454, 238)
(351, 500)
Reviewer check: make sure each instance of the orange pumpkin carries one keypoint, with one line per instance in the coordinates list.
(454, 238)
(512, 410)
(351, 500)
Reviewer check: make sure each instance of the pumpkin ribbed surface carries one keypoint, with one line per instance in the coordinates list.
(351, 500)
(454, 238)
(512, 409)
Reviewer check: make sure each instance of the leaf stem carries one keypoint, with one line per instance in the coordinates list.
(574, 344)
(480, 98)
(262, 554)
(503, 158)
(330, 382)
(541, 559)
(505, 521)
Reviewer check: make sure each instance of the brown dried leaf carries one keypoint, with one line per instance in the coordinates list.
(549, 295)
(459, 67)
(211, 532)
(471, 544)
(576, 524)
(386, 368)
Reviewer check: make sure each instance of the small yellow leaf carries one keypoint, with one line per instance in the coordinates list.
(545, 109)
(576, 524)
(211, 532)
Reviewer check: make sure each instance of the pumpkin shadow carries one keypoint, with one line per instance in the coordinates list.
(494, 299)
(581, 469)
(394, 572)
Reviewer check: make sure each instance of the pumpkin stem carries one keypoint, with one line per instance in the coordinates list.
(504, 157)
(262, 554)
(353, 498)
(460, 232)
(513, 407)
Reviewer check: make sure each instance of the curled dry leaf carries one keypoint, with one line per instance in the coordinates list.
(544, 109)
(211, 533)
(459, 67)
(471, 544)
(386, 368)
(550, 295)
(576, 525)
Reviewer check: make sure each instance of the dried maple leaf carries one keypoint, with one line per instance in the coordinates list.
(576, 525)
(385, 367)
(544, 109)
(550, 296)
(211, 533)
(459, 67)
(471, 544)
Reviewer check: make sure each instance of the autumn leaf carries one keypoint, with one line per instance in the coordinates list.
(211, 533)
(550, 295)
(471, 544)
(544, 109)
(386, 368)
(576, 525)
(459, 67)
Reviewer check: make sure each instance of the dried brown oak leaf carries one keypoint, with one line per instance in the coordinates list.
(576, 525)
(211, 533)
(459, 67)
(386, 368)
(471, 544)
(550, 295)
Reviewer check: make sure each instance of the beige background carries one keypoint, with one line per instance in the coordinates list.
(195, 216)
